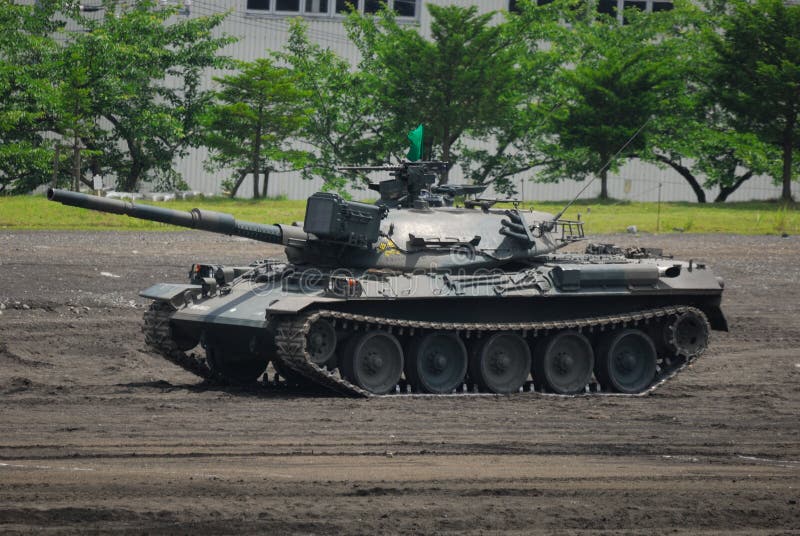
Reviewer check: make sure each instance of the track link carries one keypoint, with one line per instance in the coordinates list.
(293, 354)
(158, 336)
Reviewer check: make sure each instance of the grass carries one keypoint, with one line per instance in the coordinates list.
(35, 212)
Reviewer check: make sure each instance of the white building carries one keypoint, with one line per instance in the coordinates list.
(262, 25)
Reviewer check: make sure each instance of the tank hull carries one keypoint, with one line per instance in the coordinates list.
(250, 321)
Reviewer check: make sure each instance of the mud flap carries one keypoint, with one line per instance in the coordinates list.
(173, 293)
(716, 318)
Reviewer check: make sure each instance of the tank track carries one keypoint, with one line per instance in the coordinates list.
(158, 337)
(290, 339)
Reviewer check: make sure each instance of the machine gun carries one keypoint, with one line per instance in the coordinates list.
(413, 184)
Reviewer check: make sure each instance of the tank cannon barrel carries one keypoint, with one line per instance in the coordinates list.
(206, 220)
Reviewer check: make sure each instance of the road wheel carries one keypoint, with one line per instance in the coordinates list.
(373, 361)
(501, 363)
(563, 363)
(437, 363)
(626, 361)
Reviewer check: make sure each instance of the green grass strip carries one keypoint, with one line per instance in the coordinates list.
(752, 218)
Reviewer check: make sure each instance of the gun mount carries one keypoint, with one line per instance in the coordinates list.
(413, 184)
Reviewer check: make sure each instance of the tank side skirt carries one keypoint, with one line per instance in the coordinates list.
(292, 353)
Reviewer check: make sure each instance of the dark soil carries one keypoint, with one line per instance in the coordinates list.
(99, 435)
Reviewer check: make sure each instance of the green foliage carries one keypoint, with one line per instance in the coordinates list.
(341, 107)
(757, 76)
(136, 74)
(619, 83)
(249, 128)
(697, 138)
(462, 84)
(519, 141)
(26, 93)
(124, 91)
(711, 93)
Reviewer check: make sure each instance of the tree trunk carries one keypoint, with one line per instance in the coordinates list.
(788, 143)
(257, 153)
(604, 184)
(686, 174)
(445, 177)
(76, 164)
(265, 186)
(726, 191)
(130, 183)
(239, 181)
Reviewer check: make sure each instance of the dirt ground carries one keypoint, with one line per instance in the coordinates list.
(98, 435)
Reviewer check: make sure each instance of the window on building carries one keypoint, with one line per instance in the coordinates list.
(640, 5)
(287, 5)
(343, 6)
(615, 8)
(258, 4)
(607, 7)
(317, 7)
(372, 6)
(513, 6)
(403, 8)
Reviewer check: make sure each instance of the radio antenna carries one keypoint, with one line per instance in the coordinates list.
(605, 166)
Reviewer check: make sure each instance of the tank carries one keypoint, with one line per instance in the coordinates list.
(413, 294)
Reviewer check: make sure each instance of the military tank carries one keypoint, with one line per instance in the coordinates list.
(414, 294)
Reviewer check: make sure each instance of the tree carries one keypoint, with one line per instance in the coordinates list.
(26, 93)
(462, 84)
(618, 86)
(757, 77)
(258, 110)
(519, 137)
(695, 136)
(341, 106)
(139, 72)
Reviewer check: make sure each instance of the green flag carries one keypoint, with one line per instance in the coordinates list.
(415, 151)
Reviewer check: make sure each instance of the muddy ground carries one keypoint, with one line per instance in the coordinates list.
(97, 434)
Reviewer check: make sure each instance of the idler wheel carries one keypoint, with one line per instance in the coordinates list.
(373, 361)
(563, 363)
(321, 342)
(688, 334)
(237, 368)
(626, 361)
(501, 363)
(437, 363)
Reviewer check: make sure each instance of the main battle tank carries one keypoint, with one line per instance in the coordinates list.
(414, 294)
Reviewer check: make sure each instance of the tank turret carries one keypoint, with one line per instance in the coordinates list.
(413, 226)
